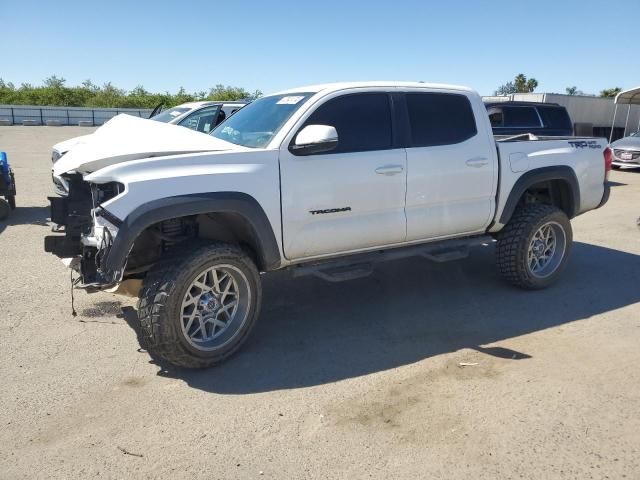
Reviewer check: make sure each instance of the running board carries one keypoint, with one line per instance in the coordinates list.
(360, 265)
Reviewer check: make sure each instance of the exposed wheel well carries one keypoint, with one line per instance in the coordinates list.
(231, 228)
(557, 186)
(158, 238)
(555, 192)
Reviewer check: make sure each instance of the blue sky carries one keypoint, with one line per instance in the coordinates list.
(276, 45)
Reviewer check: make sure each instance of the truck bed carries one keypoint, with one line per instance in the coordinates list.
(520, 154)
(530, 137)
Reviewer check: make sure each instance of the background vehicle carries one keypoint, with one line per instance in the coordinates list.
(543, 119)
(200, 116)
(7, 187)
(325, 180)
(626, 151)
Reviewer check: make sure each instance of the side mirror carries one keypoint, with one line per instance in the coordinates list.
(314, 139)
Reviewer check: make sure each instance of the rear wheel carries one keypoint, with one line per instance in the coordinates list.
(198, 306)
(533, 247)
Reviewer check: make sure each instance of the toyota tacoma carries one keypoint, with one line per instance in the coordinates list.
(325, 180)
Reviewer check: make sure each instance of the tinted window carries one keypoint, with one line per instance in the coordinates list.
(495, 116)
(362, 120)
(521, 117)
(170, 114)
(203, 120)
(440, 119)
(555, 117)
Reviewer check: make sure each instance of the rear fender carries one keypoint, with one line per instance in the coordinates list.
(544, 174)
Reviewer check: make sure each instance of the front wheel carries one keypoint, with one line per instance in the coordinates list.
(198, 306)
(533, 248)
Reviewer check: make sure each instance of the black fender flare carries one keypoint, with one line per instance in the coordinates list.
(543, 174)
(183, 205)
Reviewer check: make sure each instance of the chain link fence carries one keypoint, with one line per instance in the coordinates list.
(54, 116)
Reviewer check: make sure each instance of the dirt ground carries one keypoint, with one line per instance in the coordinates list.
(351, 380)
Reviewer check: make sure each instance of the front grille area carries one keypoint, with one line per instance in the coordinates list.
(619, 151)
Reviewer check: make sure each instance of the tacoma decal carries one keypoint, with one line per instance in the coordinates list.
(330, 210)
(584, 144)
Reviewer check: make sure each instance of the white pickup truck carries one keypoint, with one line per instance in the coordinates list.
(324, 180)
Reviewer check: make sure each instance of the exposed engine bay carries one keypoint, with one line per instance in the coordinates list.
(84, 233)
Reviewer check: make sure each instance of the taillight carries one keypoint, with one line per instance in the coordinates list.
(608, 158)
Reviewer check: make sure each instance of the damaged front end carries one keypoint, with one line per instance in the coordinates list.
(85, 231)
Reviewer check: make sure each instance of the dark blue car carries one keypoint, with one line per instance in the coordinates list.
(7, 187)
(541, 119)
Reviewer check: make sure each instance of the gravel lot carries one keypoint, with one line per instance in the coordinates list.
(353, 380)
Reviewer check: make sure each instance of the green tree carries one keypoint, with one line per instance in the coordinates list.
(54, 91)
(506, 89)
(227, 93)
(573, 91)
(520, 84)
(610, 92)
(524, 85)
(54, 82)
(182, 97)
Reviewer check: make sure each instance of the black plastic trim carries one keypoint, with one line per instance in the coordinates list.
(110, 217)
(605, 195)
(538, 175)
(201, 203)
(441, 250)
(400, 121)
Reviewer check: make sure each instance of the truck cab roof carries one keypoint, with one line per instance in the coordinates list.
(337, 86)
(515, 103)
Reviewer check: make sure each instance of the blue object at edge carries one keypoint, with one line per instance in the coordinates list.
(4, 167)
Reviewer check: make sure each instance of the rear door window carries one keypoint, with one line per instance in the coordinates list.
(521, 117)
(440, 119)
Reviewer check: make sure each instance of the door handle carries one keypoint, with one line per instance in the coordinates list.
(477, 162)
(389, 170)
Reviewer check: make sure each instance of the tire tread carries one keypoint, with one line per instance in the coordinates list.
(513, 239)
(160, 284)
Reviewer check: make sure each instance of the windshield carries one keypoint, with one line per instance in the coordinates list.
(256, 124)
(170, 114)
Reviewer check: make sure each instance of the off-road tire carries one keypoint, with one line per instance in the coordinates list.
(513, 244)
(160, 302)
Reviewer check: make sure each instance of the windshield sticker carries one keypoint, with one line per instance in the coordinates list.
(290, 100)
(175, 113)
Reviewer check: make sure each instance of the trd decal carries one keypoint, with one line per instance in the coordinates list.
(330, 210)
(584, 144)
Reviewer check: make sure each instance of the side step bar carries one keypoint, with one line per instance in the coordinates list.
(361, 265)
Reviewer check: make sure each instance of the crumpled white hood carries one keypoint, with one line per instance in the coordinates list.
(66, 145)
(125, 138)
